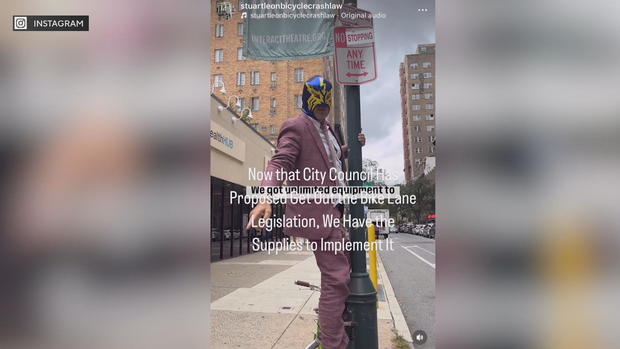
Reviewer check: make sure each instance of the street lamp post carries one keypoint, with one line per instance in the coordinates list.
(362, 301)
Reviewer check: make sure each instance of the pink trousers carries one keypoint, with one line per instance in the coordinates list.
(335, 268)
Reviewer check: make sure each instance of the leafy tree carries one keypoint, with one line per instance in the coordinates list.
(245, 115)
(424, 190)
(422, 187)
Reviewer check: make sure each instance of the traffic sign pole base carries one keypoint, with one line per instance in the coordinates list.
(362, 307)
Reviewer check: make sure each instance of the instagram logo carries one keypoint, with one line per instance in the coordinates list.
(20, 23)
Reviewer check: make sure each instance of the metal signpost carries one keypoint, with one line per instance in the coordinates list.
(355, 64)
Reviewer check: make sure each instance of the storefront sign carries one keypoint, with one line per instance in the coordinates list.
(225, 142)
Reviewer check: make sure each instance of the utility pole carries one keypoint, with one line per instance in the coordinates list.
(362, 301)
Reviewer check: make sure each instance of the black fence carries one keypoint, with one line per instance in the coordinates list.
(229, 238)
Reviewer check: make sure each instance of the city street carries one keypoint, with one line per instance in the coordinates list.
(411, 269)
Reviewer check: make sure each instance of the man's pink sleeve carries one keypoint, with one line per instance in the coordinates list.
(287, 151)
(345, 151)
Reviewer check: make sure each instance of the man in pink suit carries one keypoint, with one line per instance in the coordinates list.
(308, 142)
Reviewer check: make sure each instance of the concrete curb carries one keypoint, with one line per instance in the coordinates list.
(400, 324)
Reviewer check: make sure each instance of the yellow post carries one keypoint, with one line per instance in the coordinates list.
(372, 255)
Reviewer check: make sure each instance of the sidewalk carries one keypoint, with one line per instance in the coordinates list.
(255, 303)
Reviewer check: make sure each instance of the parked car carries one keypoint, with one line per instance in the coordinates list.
(394, 229)
(236, 234)
(431, 231)
(408, 228)
(419, 229)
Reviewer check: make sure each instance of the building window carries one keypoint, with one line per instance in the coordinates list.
(430, 117)
(418, 150)
(240, 79)
(415, 107)
(219, 30)
(298, 102)
(429, 106)
(274, 76)
(273, 102)
(418, 139)
(430, 128)
(255, 78)
(418, 161)
(240, 29)
(415, 97)
(414, 76)
(413, 65)
(415, 86)
(432, 149)
(426, 65)
(299, 74)
(241, 105)
(273, 130)
(428, 95)
(218, 80)
(428, 85)
(428, 75)
(255, 103)
(240, 56)
(431, 138)
(417, 128)
(423, 49)
(416, 117)
(219, 55)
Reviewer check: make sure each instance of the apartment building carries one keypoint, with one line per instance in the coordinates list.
(271, 89)
(417, 89)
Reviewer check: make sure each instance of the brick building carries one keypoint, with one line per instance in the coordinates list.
(417, 91)
(272, 89)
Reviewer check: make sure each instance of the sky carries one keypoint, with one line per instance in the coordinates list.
(398, 34)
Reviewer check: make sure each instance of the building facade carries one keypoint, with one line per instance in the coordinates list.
(236, 148)
(417, 90)
(272, 89)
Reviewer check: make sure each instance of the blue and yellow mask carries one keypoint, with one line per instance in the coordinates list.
(317, 91)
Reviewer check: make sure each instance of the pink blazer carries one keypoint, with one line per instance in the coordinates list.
(300, 146)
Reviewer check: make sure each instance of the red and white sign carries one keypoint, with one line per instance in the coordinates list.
(355, 55)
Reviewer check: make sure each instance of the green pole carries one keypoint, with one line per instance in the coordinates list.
(362, 301)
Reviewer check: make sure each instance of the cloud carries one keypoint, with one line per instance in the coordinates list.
(388, 152)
